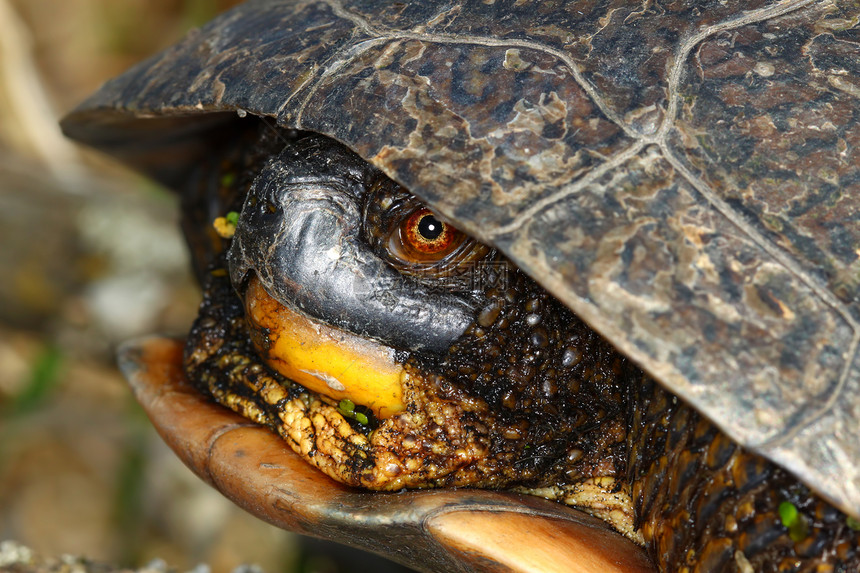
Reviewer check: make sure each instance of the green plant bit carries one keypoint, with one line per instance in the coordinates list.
(798, 528)
(347, 409)
(787, 513)
(853, 523)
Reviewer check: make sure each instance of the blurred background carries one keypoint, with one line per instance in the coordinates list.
(91, 255)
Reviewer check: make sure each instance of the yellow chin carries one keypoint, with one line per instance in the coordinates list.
(322, 358)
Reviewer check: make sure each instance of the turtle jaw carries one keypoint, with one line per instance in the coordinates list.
(324, 359)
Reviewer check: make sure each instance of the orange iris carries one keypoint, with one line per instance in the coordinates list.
(424, 238)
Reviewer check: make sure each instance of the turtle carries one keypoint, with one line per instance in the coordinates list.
(606, 253)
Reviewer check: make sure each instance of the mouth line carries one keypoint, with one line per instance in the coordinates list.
(330, 361)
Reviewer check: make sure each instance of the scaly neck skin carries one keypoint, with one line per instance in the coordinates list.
(557, 391)
(703, 501)
(559, 396)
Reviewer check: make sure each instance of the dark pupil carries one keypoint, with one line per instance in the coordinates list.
(429, 227)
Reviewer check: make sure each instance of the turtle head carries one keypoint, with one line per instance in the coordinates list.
(392, 350)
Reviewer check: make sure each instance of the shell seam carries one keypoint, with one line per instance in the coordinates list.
(710, 195)
(382, 34)
(570, 189)
(343, 58)
(777, 253)
(687, 46)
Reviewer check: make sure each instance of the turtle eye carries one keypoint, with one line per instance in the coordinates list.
(423, 237)
(424, 233)
(408, 235)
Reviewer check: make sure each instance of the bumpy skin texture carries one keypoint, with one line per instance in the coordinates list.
(490, 413)
(529, 397)
(706, 504)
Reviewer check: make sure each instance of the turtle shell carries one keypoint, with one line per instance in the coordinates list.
(685, 176)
